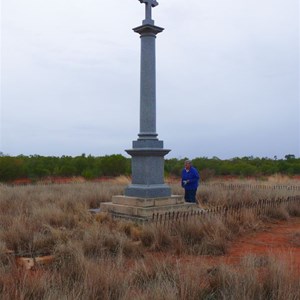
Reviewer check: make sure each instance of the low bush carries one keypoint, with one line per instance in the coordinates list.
(293, 209)
(276, 213)
(296, 239)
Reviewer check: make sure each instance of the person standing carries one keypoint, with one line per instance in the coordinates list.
(189, 181)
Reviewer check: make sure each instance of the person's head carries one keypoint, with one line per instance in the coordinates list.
(187, 164)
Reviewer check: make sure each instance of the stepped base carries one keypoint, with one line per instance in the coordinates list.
(134, 208)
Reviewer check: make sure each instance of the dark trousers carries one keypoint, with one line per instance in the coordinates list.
(190, 195)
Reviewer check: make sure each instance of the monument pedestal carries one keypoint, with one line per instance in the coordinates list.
(147, 168)
(143, 209)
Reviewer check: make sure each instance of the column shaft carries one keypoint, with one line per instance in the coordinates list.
(148, 87)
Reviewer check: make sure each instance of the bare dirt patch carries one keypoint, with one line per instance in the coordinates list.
(280, 240)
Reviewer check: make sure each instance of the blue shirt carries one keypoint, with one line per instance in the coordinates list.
(193, 178)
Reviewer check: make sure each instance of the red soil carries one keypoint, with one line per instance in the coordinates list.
(21, 181)
(280, 240)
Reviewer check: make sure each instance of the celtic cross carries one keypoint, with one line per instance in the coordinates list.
(149, 5)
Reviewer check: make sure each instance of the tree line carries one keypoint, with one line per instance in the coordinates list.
(37, 167)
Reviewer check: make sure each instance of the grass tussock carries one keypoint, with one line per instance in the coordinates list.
(293, 210)
(277, 213)
(202, 237)
(295, 240)
(255, 278)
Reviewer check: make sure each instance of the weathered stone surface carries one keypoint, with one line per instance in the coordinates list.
(147, 202)
(147, 211)
(148, 191)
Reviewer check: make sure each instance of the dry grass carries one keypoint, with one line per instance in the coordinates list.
(277, 213)
(218, 192)
(295, 240)
(293, 209)
(255, 278)
(100, 258)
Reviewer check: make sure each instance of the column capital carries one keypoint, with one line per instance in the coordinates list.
(148, 29)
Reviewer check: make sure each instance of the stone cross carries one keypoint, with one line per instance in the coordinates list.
(149, 5)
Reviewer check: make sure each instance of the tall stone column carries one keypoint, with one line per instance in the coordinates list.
(147, 151)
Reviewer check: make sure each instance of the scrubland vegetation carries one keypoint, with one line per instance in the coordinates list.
(36, 167)
(96, 257)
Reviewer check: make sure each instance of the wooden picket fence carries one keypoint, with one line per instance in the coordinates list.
(238, 186)
(235, 210)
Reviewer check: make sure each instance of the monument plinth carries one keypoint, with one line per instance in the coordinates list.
(147, 194)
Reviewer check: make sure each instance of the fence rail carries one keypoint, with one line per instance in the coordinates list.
(235, 186)
(257, 207)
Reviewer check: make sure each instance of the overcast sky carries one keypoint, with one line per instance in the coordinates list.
(227, 77)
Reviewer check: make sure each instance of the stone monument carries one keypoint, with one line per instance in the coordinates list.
(147, 194)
